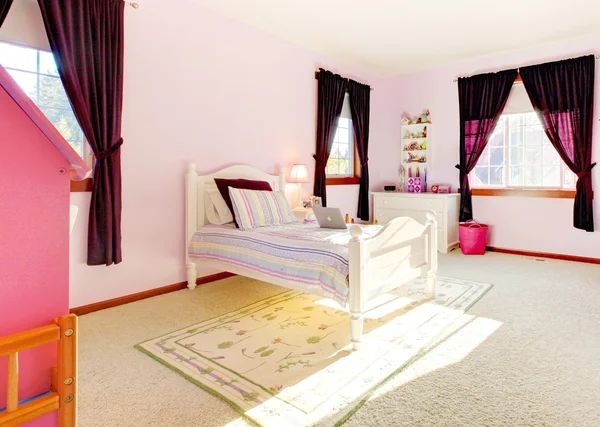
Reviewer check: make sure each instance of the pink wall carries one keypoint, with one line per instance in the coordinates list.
(201, 87)
(34, 248)
(533, 224)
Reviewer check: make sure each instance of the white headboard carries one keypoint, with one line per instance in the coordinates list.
(196, 187)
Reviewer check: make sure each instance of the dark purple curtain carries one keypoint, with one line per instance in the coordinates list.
(481, 101)
(562, 94)
(331, 91)
(4, 8)
(86, 37)
(360, 105)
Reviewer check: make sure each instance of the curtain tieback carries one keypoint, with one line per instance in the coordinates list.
(365, 163)
(586, 171)
(462, 169)
(110, 150)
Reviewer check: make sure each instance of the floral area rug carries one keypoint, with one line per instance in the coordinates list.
(287, 360)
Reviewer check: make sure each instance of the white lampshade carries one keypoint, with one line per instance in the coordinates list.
(299, 174)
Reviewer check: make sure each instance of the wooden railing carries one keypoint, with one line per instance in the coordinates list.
(62, 397)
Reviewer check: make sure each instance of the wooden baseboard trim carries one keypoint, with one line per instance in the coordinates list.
(564, 257)
(90, 308)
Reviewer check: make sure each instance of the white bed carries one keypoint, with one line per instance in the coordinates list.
(401, 251)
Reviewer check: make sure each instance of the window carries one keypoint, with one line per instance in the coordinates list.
(341, 158)
(35, 71)
(519, 154)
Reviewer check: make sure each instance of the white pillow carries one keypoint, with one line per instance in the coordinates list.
(217, 211)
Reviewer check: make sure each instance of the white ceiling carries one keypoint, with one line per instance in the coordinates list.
(388, 37)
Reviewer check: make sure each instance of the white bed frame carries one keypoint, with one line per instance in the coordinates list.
(400, 252)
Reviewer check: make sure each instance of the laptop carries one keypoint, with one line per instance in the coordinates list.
(329, 218)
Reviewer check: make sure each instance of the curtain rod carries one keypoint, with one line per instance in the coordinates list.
(317, 73)
(456, 80)
(133, 4)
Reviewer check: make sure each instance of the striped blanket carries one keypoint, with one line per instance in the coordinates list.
(303, 253)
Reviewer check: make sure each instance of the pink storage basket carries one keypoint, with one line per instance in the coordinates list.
(473, 237)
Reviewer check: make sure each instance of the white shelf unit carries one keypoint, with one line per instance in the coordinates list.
(415, 148)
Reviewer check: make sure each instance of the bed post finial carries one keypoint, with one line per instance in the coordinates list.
(430, 215)
(192, 168)
(356, 233)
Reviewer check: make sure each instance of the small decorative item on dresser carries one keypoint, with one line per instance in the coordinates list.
(415, 185)
(389, 188)
(440, 188)
(401, 179)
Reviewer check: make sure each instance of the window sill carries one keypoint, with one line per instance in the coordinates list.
(349, 180)
(506, 192)
(81, 186)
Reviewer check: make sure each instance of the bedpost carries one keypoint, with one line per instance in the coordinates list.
(358, 285)
(432, 253)
(191, 220)
(191, 275)
(281, 177)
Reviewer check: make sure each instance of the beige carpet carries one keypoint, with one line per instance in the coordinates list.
(529, 355)
(287, 360)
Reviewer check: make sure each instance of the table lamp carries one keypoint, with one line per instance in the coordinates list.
(299, 175)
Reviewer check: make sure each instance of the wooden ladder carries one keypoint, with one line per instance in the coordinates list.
(63, 396)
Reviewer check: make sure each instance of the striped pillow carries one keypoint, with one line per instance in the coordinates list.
(253, 208)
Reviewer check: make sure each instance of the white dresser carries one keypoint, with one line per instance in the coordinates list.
(387, 206)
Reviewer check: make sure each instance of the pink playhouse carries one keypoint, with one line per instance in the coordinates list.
(38, 354)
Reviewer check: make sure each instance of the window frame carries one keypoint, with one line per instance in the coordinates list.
(508, 190)
(347, 179)
(84, 185)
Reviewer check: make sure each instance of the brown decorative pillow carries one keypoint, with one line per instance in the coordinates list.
(244, 184)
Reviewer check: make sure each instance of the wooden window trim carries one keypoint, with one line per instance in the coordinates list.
(349, 180)
(82, 186)
(519, 192)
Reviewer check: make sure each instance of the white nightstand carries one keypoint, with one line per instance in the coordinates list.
(302, 213)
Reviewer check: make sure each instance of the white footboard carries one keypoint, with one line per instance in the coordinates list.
(400, 252)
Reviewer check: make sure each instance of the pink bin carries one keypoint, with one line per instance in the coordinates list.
(473, 237)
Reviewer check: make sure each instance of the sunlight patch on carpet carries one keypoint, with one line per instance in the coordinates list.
(287, 360)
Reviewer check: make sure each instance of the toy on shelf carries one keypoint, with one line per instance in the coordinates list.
(423, 118)
(413, 146)
(413, 158)
(405, 121)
